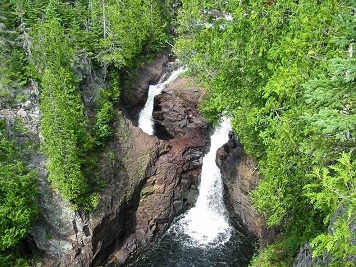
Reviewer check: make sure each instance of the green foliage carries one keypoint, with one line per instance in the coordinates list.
(64, 124)
(333, 191)
(331, 114)
(63, 127)
(279, 254)
(124, 28)
(102, 129)
(13, 260)
(12, 56)
(285, 72)
(18, 190)
(42, 40)
(112, 33)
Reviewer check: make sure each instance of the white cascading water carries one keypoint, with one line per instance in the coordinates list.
(145, 118)
(205, 235)
(207, 224)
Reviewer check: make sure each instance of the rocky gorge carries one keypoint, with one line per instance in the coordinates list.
(240, 177)
(149, 180)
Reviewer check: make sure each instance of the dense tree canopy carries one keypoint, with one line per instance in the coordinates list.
(18, 189)
(285, 72)
(45, 41)
(51, 37)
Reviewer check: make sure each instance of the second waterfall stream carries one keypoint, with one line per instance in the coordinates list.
(145, 118)
(207, 224)
(206, 235)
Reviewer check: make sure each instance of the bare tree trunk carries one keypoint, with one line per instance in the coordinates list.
(151, 17)
(104, 19)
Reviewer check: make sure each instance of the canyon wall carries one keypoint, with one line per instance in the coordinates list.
(147, 181)
(240, 177)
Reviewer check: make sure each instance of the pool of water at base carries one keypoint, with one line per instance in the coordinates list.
(175, 250)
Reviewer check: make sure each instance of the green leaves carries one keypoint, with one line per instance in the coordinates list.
(12, 56)
(126, 27)
(333, 186)
(331, 109)
(286, 72)
(333, 191)
(51, 47)
(18, 190)
(102, 129)
(113, 33)
(63, 128)
(64, 124)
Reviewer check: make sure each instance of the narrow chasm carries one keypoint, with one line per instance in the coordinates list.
(136, 84)
(164, 156)
(206, 234)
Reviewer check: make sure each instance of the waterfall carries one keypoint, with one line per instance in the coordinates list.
(207, 224)
(145, 118)
(206, 235)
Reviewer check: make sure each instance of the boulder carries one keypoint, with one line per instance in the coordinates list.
(175, 110)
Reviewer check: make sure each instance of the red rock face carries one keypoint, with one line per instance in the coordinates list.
(172, 173)
(240, 177)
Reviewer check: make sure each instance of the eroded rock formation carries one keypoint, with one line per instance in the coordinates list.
(240, 177)
(172, 176)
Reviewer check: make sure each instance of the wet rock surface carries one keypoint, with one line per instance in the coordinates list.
(173, 173)
(239, 173)
(135, 93)
(175, 110)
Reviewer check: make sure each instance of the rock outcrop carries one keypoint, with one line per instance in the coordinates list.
(239, 173)
(305, 259)
(175, 110)
(171, 177)
(135, 92)
(78, 238)
(69, 238)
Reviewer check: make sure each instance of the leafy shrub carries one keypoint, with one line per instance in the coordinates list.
(18, 189)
